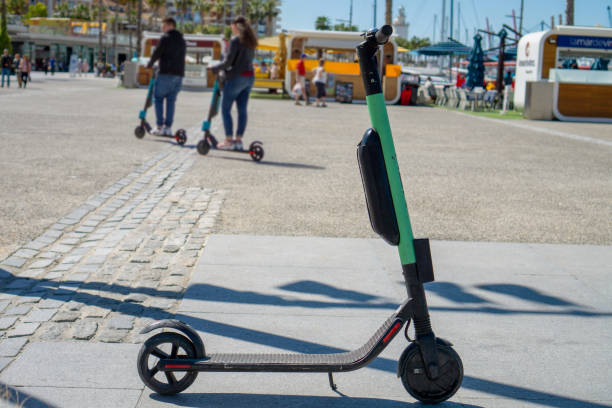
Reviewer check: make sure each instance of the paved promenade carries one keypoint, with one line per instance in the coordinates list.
(101, 234)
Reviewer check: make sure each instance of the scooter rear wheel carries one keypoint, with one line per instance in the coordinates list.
(423, 388)
(165, 345)
(203, 147)
(180, 136)
(256, 151)
(139, 132)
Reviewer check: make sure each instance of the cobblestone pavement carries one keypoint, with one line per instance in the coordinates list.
(109, 267)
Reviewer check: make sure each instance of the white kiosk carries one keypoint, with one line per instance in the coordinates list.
(579, 92)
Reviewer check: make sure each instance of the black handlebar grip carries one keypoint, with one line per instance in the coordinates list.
(382, 35)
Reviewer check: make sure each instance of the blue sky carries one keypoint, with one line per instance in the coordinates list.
(301, 14)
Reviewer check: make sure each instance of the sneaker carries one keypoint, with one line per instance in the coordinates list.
(225, 145)
(157, 131)
(238, 146)
(167, 132)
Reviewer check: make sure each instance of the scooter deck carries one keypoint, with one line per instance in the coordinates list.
(333, 362)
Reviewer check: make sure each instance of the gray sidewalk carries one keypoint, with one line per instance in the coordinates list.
(531, 323)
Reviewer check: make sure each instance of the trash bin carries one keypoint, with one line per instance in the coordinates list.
(130, 70)
(539, 100)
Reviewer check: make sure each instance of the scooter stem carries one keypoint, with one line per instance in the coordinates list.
(366, 51)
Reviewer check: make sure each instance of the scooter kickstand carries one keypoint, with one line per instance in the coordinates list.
(333, 386)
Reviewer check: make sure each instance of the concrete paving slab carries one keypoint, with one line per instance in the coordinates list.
(75, 365)
(286, 290)
(280, 400)
(530, 331)
(275, 251)
(50, 397)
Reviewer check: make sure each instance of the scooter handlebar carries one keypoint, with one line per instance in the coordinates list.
(383, 34)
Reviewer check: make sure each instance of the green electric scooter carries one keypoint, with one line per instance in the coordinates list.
(430, 370)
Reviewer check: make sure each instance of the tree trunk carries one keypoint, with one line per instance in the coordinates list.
(99, 30)
(129, 20)
(569, 12)
(139, 28)
(388, 11)
(116, 57)
(243, 9)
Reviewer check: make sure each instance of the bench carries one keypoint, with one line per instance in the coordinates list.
(264, 83)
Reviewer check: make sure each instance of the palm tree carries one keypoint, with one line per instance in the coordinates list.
(5, 39)
(155, 5)
(388, 11)
(139, 27)
(270, 11)
(81, 11)
(62, 10)
(100, 11)
(221, 8)
(202, 7)
(130, 18)
(255, 11)
(19, 7)
(183, 5)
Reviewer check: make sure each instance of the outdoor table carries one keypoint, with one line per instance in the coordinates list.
(476, 98)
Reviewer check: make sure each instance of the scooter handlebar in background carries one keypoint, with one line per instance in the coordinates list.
(366, 52)
(383, 34)
(378, 36)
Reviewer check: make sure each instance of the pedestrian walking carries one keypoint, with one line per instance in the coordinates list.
(301, 79)
(45, 64)
(16, 62)
(508, 79)
(25, 67)
(6, 63)
(239, 77)
(274, 70)
(171, 55)
(52, 65)
(320, 79)
(85, 68)
(430, 89)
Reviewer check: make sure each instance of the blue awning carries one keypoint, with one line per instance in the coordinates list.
(445, 48)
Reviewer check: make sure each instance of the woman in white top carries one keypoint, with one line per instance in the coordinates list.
(320, 79)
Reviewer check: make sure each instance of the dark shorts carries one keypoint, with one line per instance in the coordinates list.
(320, 89)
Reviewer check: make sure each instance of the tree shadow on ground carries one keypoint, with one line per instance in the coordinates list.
(14, 397)
(454, 292)
(270, 400)
(68, 291)
(319, 288)
(525, 293)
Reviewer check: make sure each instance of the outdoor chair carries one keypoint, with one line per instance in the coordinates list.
(453, 99)
(448, 96)
(476, 97)
(440, 96)
(423, 97)
(463, 99)
(490, 99)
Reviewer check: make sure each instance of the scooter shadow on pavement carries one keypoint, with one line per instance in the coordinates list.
(262, 163)
(10, 395)
(287, 343)
(272, 163)
(275, 400)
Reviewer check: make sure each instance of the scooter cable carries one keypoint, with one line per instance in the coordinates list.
(406, 331)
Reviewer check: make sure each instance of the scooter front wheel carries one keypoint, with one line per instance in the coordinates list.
(256, 151)
(423, 388)
(180, 136)
(203, 147)
(165, 345)
(139, 132)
